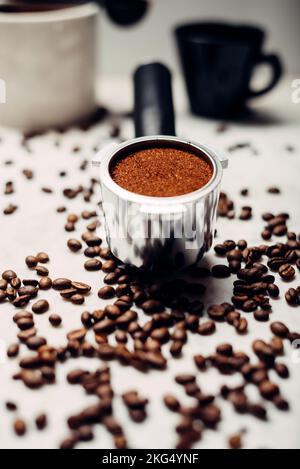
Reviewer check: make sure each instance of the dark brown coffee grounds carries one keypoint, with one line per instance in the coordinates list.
(162, 172)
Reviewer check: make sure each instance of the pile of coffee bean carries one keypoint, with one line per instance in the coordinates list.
(146, 323)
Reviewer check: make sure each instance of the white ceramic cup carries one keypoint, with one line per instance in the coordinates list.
(47, 67)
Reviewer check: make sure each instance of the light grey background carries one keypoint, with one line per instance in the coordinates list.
(122, 49)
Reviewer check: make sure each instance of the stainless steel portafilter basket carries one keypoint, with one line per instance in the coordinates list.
(157, 232)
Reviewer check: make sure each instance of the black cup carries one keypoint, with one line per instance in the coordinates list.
(218, 60)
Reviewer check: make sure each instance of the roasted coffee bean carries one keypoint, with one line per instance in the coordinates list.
(287, 272)
(279, 329)
(81, 287)
(266, 233)
(126, 318)
(220, 271)
(69, 227)
(68, 293)
(42, 270)
(42, 257)
(161, 334)
(21, 301)
(61, 283)
(41, 421)
(72, 218)
(207, 328)
(25, 323)
(16, 283)
(55, 320)
(261, 315)
(92, 240)
(32, 378)
(35, 342)
(45, 283)
(40, 306)
(276, 262)
(109, 266)
(176, 348)
(220, 249)
(152, 306)
(246, 213)
(282, 370)
(28, 290)
(11, 405)
(92, 251)
(280, 230)
(104, 325)
(77, 335)
(263, 351)
(93, 264)
(217, 312)
(277, 345)
(292, 297)
(10, 209)
(268, 389)
(20, 427)
(273, 190)
(77, 299)
(13, 350)
(106, 292)
(171, 402)
(273, 290)
(74, 244)
(249, 305)
(235, 441)
(200, 362)
(225, 349)
(8, 275)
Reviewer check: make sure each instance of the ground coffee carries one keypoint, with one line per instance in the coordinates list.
(162, 172)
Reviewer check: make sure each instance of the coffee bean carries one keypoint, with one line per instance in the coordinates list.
(277, 345)
(200, 362)
(287, 272)
(220, 271)
(161, 334)
(40, 306)
(235, 441)
(78, 334)
(20, 427)
(273, 290)
(13, 350)
(74, 244)
(282, 370)
(152, 306)
(268, 389)
(24, 335)
(109, 266)
(42, 270)
(279, 329)
(292, 297)
(81, 287)
(207, 328)
(41, 421)
(8, 275)
(171, 402)
(216, 312)
(220, 249)
(45, 283)
(93, 265)
(55, 320)
(35, 342)
(61, 283)
(32, 378)
(261, 315)
(263, 351)
(42, 257)
(77, 299)
(106, 292)
(25, 323)
(31, 261)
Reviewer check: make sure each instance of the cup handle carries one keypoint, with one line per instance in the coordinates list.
(275, 63)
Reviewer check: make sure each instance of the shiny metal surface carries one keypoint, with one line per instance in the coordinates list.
(159, 232)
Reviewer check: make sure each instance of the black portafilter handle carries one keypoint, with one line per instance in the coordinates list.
(153, 101)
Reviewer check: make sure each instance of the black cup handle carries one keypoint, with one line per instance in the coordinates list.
(276, 65)
(153, 100)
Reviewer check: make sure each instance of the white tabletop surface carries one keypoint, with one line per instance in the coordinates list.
(36, 226)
